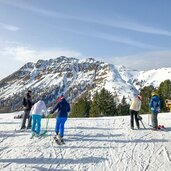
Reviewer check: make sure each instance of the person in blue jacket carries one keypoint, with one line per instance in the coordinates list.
(155, 109)
(63, 108)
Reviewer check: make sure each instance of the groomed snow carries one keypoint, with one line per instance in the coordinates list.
(95, 144)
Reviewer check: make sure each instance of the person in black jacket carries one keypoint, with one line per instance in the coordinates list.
(27, 103)
(62, 108)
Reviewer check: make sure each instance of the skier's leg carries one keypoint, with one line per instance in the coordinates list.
(62, 126)
(154, 120)
(33, 123)
(38, 122)
(58, 121)
(23, 125)
(29, 120)
(132, 119)
(136, 119)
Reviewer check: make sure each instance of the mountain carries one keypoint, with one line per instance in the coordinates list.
(73, 77)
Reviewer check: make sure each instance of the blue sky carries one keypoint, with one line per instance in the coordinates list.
(133, 33)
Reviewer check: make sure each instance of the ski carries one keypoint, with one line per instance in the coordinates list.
(43, 133)
(159, 128)
(62, 141)
(32, 135)
(58, 141)
(21, 130)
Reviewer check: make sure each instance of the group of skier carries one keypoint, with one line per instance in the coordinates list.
(135, 107)
(35, 111)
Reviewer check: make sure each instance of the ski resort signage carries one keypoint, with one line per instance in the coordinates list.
(168, 104)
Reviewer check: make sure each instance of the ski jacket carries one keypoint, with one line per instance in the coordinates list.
(135, 104)
(62, 108)
(38, 108)
(27, 103)
(155, 104)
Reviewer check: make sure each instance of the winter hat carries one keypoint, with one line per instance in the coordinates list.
(59, 99)
(154, 94)
(139, 97)
(29, 91)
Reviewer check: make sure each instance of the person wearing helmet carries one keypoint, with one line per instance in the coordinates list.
(155, 109)
(134, 109)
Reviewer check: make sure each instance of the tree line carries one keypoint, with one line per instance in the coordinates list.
(105, 104)
(102, 104)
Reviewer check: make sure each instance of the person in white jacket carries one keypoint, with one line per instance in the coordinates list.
(36, 112)
(134, 109)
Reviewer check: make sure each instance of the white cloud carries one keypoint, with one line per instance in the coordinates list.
(25, 54)
(144, 61)
(9, 27)
(13, 56)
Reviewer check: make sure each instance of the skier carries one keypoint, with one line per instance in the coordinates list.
(36, 113)
(134, 109)
(155, 109)
(62, 108)
(27, 103)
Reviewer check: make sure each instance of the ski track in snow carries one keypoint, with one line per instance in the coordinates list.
(95, 144)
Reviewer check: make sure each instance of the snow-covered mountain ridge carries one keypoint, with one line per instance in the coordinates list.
(73, 77)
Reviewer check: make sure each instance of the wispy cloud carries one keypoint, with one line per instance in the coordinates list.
(9, 27)
(117, 22)
(135, 26)
(26, 54)
(125, 40)
(115, 39)
(144, 61)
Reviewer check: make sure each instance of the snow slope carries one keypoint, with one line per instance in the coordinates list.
(94, 144)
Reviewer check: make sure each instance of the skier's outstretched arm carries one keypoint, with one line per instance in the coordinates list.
(55, 108)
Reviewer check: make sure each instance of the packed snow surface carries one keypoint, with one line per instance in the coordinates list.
(95, 144)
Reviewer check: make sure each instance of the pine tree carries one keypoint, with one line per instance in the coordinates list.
(123, 107)
(146, 96)
(103, 104)
(164, 92)
(94, 107)
(80, 108)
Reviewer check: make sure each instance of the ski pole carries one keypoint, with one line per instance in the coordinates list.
(142, 124)
(47, 122)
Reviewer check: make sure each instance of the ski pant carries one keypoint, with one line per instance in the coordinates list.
(60, 122)
(154, 119)
(36, 123)
(26, 115)
(133, 114)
